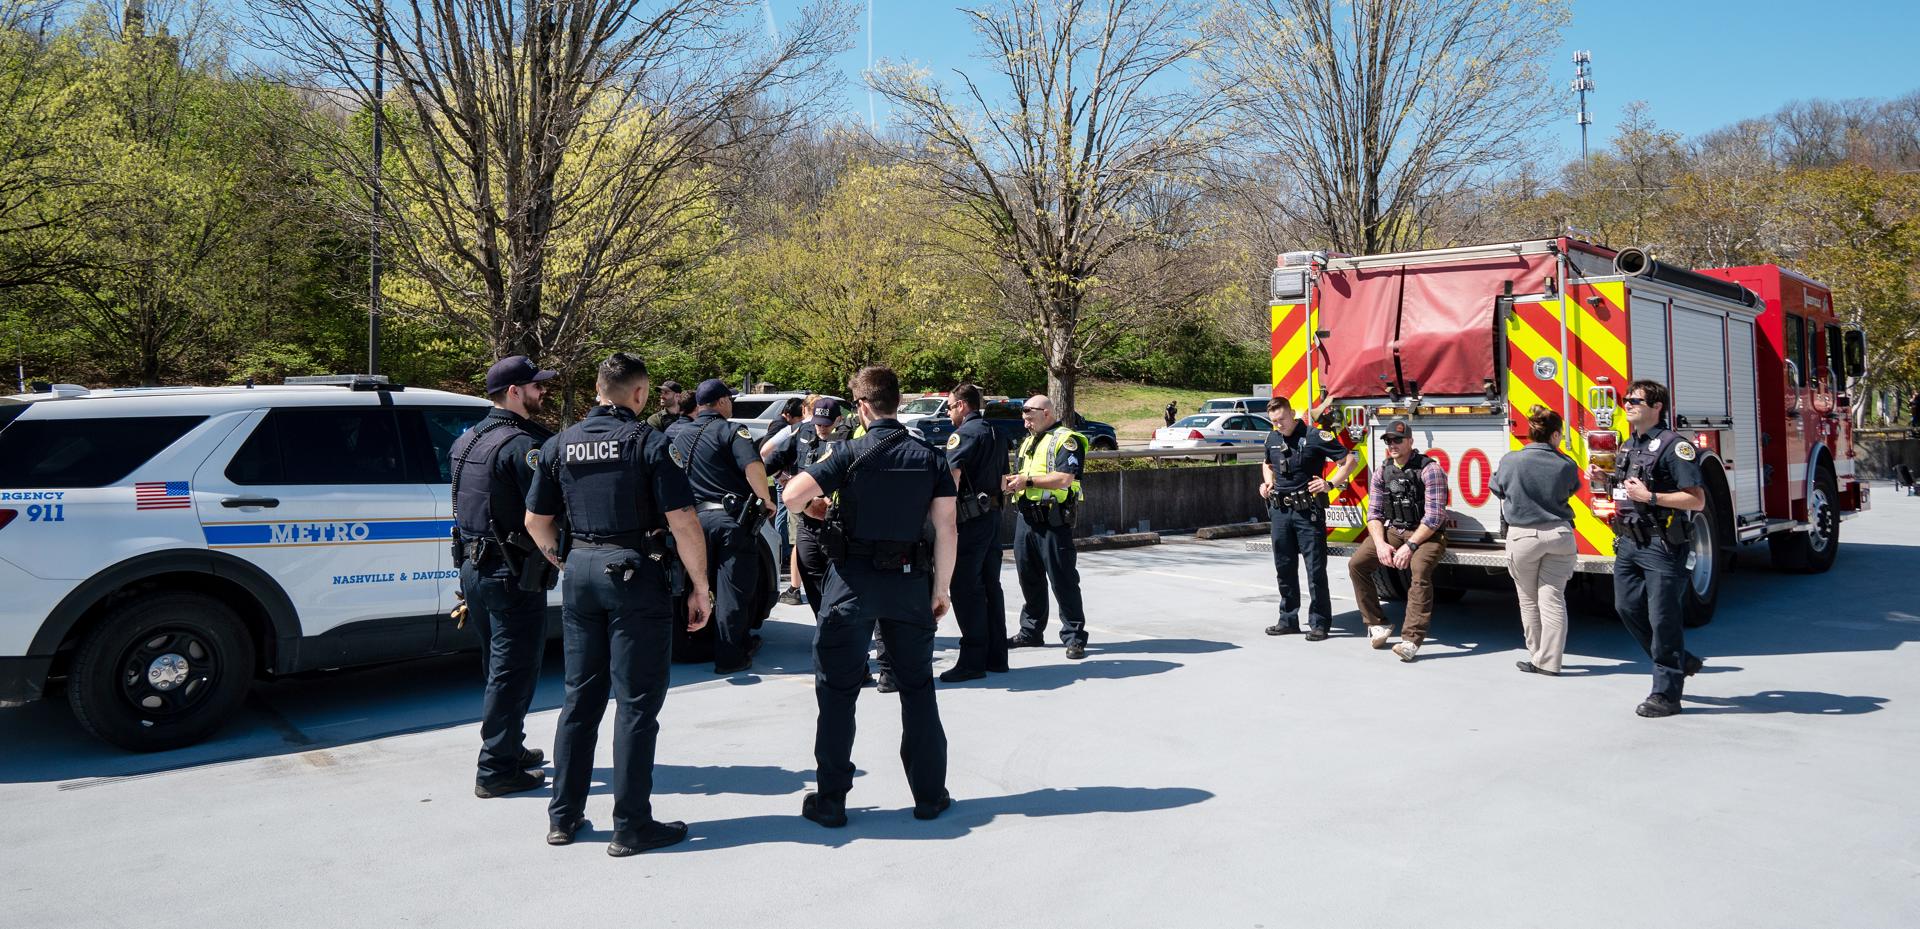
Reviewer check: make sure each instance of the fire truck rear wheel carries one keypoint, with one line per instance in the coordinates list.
(1711, 556)
(1814, 551)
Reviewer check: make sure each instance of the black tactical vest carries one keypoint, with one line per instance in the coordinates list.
(1640, 461)
(478, 514)
(1406, 502)
(604, 477)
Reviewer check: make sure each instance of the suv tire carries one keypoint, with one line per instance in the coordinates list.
(162, 672)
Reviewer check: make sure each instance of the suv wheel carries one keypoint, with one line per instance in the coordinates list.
(162, 672)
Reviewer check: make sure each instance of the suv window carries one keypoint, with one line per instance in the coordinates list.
(443, 425)
(1002, 409)
(84, 452)
(751, 409)
(314, 445)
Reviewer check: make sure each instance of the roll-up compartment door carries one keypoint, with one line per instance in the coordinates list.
(1744, 449)
(1648, 319)
(1700, 362)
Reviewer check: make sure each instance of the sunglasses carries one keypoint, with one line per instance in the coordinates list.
(1633, 401)
(1394, 439)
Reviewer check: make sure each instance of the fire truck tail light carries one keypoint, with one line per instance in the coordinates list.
(1602, 461)
(1603, 507)
(1601, 440)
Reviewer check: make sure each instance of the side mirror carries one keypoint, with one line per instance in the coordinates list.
(1856, 353)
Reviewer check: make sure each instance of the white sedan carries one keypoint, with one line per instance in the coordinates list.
(1214, 430)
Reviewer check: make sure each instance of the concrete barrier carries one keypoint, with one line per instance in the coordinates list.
(1877, 454)
(1167, 499)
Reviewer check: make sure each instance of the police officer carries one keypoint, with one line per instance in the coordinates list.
(1656, 484)
(730, 494)
(883, 571)
(814, 437)
(1047, 491)
(672, 407)
(503, 576)
(614, 479)
(978, 457)
(1295, 491)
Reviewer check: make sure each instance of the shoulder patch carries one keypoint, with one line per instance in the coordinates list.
(953, 441)
(745, 434)
(1684, 450)
(673, 451)
(1326, 436)
(1653, 446)
(533, 458)
(825, 453)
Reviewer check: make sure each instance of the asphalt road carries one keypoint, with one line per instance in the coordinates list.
(1190, 772)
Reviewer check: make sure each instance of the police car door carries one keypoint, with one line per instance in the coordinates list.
(321, 498)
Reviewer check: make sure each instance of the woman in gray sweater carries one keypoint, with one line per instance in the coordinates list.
(1534, 484)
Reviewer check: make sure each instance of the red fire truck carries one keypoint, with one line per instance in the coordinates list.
(1462, 342)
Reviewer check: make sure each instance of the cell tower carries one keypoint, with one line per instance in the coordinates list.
(1583, 85)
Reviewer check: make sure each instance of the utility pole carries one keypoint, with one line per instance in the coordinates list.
(1583, 85)
(379, 196)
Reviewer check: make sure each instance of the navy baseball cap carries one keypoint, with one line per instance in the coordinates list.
(711, 391)
(825, 411)
(513, 371)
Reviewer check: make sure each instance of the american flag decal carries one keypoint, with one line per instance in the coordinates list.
(161, 495)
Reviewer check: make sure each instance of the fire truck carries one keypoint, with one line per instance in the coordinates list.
(1463, 342)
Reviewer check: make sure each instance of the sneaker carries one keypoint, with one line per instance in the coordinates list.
(1377, 636)
(1316, 635)
(793, 596)
(1531, 668)
(518, 783)
(1024, 641)
(1283, 629)
(1406, 650)
(563, 833)
(646, 838)
(1077, 651)
(531, 758)
(1657, 706)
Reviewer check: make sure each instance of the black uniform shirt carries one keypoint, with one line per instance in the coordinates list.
(609, 474)
(1301, 455)
(888, 498)
(1675, 466)
(976, 450)
(716, 453)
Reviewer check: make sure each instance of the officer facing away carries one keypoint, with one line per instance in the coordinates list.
(614, 479)
(882, 571)
(504, 578)
(1295, 492)
(978, 457)
(1407, 511)
(730, 495)
(1047, 491)
(1656, 484)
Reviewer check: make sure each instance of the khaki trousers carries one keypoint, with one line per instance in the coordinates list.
(1365, 559)
(1541, 561)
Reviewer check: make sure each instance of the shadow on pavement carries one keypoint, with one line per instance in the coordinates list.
(1809, 702)
(1160, 647)
(966, 815)
(1056, 676)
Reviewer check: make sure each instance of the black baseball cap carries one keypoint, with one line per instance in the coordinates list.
(513, 371)
(711, 391)
(671, 385)
(1397, 429)
(825, 411)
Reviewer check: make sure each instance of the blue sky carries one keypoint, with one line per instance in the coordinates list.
(1700, 64)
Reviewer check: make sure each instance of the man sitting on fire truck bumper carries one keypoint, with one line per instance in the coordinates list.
(1409, 503)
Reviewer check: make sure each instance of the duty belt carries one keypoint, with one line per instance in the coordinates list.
(618, 540)
(709, 506)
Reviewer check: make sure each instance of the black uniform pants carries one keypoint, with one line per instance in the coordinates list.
(813, 576)
(1301, 536)
(734, 568)
(512, 627)
(1043, 554)
(979, 606)
(618, 636)
(858, 599)
(1649, 587)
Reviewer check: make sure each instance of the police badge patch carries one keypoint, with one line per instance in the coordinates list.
(673, 451)
(1684, 450)
(745, 434)
(1326, 436)
(533, 458)
(825, 454)
(953, 441)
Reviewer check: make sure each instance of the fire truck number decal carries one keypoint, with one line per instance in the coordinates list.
(1474, 483)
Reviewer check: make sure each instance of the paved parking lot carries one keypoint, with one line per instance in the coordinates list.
(1190, 772)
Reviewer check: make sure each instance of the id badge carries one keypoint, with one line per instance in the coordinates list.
(1620, 493)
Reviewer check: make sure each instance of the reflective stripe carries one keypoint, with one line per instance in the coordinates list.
(1036, 460)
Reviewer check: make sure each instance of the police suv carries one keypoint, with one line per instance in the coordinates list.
(162, 548)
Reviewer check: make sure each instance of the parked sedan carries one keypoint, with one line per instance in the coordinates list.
(1214, 430)
(1004, 417)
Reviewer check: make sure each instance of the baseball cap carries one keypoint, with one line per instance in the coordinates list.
(825, 411)
(1397, 428)
(513, 371)
(671, 385)
(711, 391)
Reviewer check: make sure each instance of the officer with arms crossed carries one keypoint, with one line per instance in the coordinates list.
(1408, 494)
(1297, 506)
(1656, 483)
(504, 577)
(730, 493)
(978, 458)
(1047, 490)
(883, 571)
(614, 479)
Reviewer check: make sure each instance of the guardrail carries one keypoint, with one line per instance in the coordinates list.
(1224, 454)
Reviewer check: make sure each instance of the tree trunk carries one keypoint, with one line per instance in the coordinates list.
(1063, 360)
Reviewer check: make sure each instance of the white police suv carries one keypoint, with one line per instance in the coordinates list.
(162, 548)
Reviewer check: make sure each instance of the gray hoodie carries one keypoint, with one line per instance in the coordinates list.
(1533, 485)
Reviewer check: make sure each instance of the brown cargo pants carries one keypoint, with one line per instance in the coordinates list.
(1360, 568)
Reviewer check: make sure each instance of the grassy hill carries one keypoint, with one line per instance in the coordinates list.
(1135, 409)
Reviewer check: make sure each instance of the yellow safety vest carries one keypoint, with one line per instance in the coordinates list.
(1036, 460)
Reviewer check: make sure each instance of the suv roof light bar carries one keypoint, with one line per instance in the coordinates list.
(349, 381)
